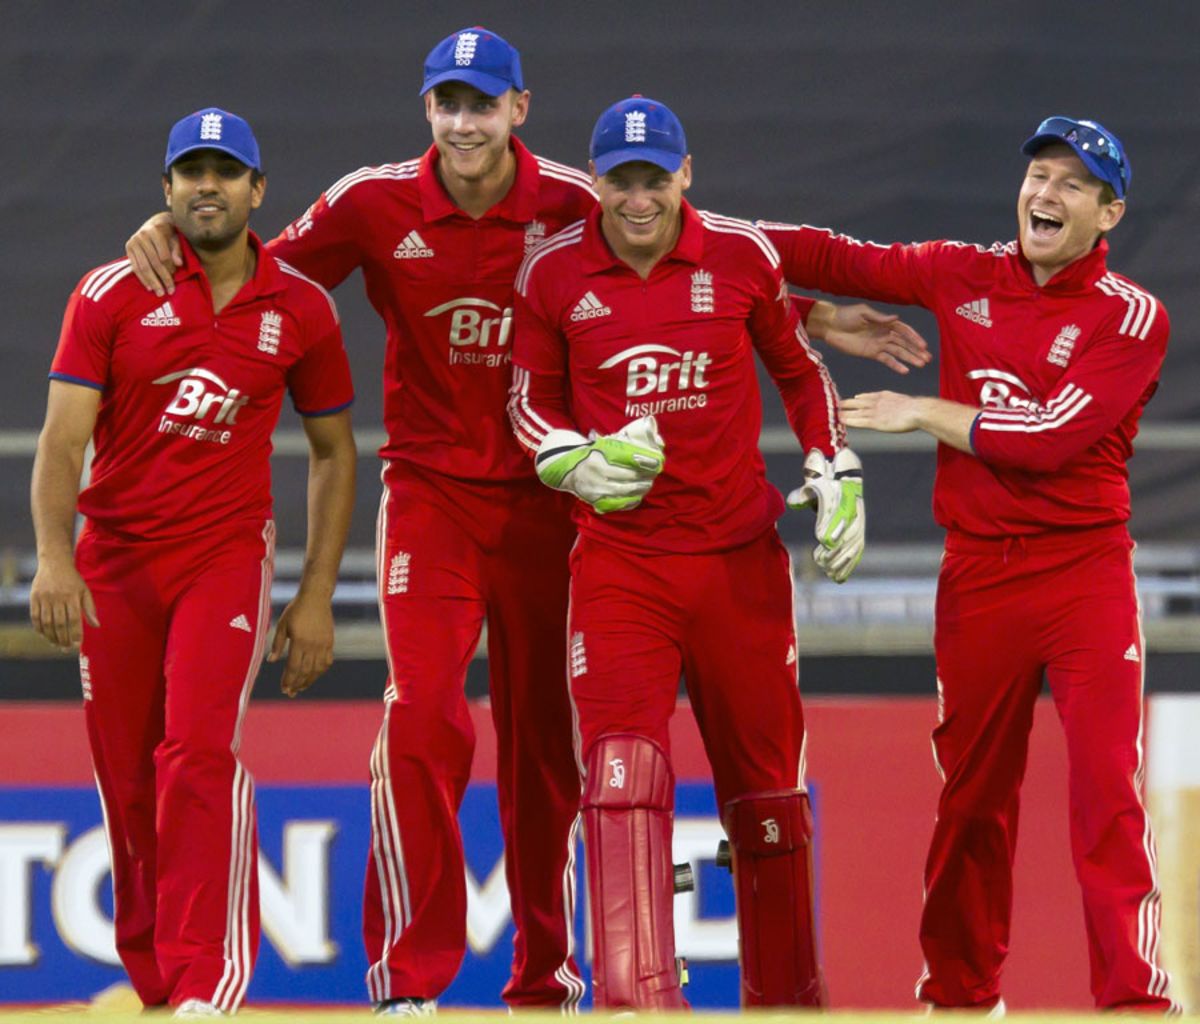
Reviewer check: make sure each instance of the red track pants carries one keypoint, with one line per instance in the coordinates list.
(166, 678)
(1062, 605)
(452, 554)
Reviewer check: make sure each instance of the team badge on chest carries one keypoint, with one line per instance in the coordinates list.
(535, 232)
(269, 329)
(702, 292)
(1064, 345)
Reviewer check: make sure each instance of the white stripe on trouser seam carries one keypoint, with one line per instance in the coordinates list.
(1150, 908)
(389, 865)
(572, 982)
(236, 976)
(386, 848)
(232, 987)
(802, 765)
(261, 628)
(108, 838)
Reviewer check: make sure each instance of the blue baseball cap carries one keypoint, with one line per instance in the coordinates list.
(213, 128)
(477, 57)
(1099, 149)
(638, 129)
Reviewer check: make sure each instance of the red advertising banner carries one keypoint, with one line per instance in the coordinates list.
(875, 793)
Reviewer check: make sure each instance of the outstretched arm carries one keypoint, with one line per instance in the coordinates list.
(305, 629)
(863, 331)
(886, 411)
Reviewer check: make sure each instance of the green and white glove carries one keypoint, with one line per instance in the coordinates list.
(835, 490)
(612, 473)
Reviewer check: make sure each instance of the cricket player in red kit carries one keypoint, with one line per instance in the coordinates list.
(169, 586)
(1048, 358)
(636, 327)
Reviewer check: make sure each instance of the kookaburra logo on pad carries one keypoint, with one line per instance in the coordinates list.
(770, 831)
(616, 779)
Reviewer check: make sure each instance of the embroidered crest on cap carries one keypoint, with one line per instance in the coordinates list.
(210, 127)
(464, 48)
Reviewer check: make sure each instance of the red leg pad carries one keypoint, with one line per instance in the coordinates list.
(771, 835)
(627, 820)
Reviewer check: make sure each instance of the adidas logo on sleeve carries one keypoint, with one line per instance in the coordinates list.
(588, 308)
(413, 247)
(164, 316)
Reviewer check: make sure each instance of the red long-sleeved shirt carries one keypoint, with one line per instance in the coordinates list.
(1062, 371)
(596, 347)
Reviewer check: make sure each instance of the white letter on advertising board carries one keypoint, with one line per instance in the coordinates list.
(295, 909)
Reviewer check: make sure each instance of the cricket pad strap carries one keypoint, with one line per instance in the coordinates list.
(771, 834)
(627, 819)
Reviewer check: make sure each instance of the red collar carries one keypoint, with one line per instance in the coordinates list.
(598, 255)
(520, 203)
(1074, 277)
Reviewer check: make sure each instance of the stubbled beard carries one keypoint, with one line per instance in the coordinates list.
(200, 239)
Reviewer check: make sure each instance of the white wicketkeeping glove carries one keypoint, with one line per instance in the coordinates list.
(835, 490)
(611, 473)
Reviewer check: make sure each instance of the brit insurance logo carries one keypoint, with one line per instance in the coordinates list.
(1001, 390)
(478, 331)
(204, 406)
(657, 370)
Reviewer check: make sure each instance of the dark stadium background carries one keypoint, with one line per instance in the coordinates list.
(889, 121)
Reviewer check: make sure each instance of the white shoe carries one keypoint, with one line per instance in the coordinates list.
(406, 1008)
(194, 1009)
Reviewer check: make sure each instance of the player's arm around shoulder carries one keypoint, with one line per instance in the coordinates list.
(305, 631)
(59, 600)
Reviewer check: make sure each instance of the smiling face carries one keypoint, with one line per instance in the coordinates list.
(1061, 211)
(640, 208)
(210, 195)
(471, 130)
